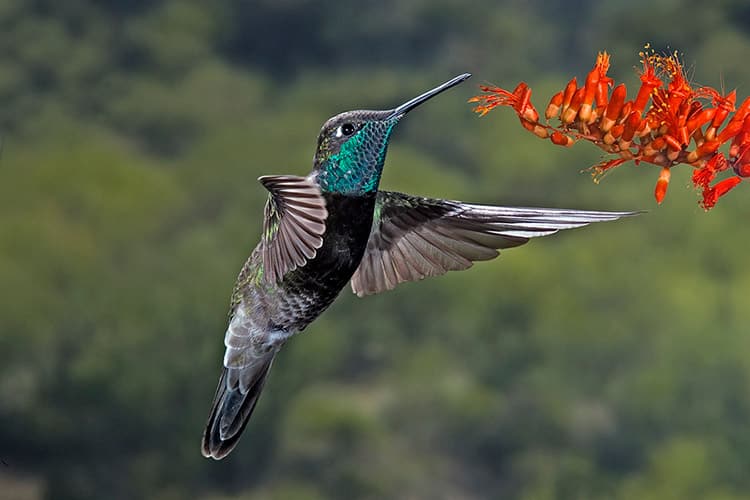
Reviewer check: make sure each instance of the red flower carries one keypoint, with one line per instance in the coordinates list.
(681, 125)
(705, 175)
(519, 100)
(662, 183)
(649, 80)
(711, 196)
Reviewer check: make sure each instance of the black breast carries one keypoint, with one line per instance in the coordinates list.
(347, 230)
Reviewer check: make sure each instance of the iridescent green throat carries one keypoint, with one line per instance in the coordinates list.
(357, 167)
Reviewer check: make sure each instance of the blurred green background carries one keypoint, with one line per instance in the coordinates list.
(608, 362)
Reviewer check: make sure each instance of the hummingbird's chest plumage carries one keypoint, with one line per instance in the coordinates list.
(306, 292)
(347, 230)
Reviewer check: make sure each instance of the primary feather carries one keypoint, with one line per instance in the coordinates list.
(414, 237)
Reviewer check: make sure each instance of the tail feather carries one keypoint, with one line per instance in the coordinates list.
(232, 407)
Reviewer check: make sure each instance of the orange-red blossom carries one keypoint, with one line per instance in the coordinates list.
(682, 123)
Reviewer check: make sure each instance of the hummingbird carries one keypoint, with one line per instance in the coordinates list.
(335, 226)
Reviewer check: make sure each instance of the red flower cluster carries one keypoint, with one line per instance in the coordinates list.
(682, 124)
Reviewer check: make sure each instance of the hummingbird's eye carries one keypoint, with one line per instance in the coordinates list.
(346, 129)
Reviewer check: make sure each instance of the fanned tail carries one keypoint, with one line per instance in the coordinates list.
(235, 399)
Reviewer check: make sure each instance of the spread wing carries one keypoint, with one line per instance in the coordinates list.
(293, 225)
(413, 237)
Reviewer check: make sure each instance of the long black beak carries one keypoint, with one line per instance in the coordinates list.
(413, 103)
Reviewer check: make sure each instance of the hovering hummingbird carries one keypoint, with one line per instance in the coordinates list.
(335, 226)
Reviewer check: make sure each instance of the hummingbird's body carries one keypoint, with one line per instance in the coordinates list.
(306, 292)
(334, 227)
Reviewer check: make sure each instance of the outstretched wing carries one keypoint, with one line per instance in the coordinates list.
(413, 237)
(293, 225)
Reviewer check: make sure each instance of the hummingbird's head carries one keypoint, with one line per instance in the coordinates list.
(352, 145)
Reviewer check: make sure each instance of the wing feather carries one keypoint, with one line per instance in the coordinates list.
(413, 237)
(293, 226)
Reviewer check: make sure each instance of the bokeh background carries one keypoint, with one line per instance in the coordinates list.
(608, 362)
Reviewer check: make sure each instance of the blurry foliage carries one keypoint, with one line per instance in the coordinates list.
(609, 362)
